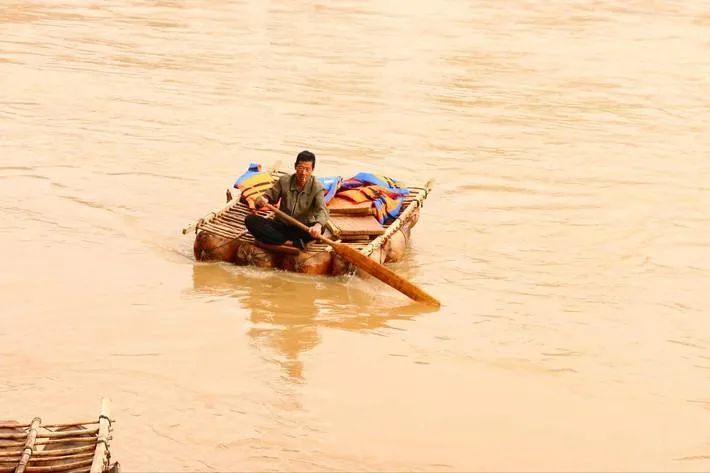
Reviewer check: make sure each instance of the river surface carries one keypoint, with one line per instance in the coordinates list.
(567, 234)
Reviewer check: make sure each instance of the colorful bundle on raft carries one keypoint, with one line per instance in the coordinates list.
(253, 183)
(385, 194)
(331, 186)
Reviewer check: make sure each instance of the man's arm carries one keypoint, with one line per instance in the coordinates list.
(270, 195)
(321, 211)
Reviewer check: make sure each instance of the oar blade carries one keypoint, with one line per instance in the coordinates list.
(385, 274)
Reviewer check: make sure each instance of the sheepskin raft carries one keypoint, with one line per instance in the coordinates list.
(222, 236)
(53, 448)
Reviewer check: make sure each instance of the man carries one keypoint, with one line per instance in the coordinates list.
(301, 197)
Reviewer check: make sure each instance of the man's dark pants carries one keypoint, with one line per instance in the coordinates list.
(275, 232)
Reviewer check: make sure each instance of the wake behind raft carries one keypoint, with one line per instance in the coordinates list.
(371, 213)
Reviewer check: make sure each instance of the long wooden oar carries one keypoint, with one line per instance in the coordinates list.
(363, 262)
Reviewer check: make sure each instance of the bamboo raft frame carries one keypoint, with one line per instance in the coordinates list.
(228, 221)
(78, 447)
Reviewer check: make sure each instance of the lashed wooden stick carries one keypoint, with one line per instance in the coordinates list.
(65, 451)
(13, 425)
(44, 455)
(50, 434)
(29, 445)
(46, 441)
(78, 456)
(56, 468)
(97, 465)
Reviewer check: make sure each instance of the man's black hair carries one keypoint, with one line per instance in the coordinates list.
(306, 156)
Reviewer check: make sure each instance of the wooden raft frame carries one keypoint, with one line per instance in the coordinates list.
(77, 447)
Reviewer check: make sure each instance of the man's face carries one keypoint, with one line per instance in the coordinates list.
(304, 169)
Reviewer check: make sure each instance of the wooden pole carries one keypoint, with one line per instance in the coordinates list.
(50, 434)
(43, 453)
(29, 446)
(99, 461)
(73, 466)
(60, 456)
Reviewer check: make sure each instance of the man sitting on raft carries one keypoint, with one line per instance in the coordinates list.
(301, 197)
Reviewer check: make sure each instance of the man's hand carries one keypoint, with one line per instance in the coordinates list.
(260, 202)
(315, 230)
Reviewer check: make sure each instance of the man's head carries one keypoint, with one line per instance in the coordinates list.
(305, 163)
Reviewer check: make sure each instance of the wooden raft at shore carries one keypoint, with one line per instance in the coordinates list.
(77, 447)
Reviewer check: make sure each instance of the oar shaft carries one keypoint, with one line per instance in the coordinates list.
(368, 265)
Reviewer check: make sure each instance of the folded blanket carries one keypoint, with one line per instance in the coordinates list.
(365, 178)
(385, 193)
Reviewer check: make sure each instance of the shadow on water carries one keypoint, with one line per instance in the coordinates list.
(288, 311)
